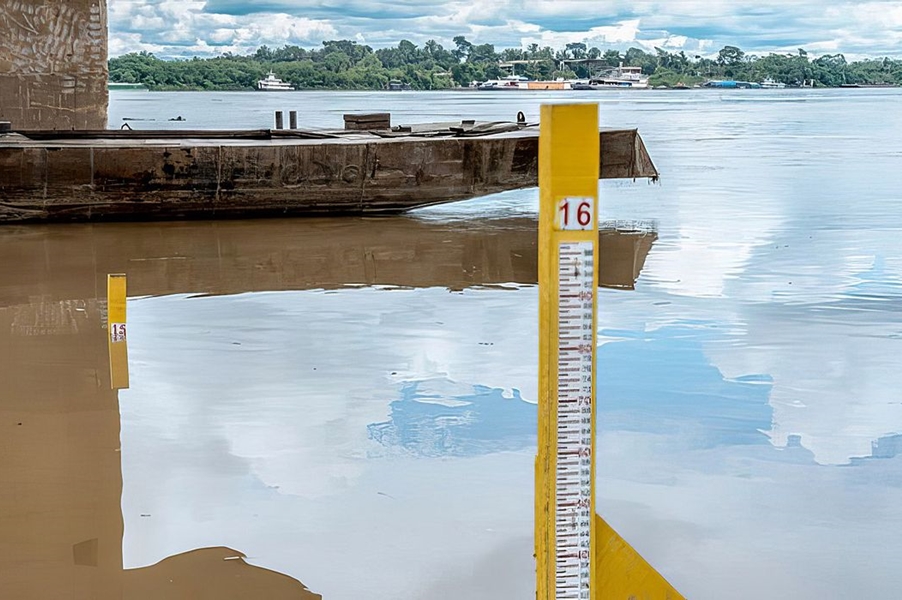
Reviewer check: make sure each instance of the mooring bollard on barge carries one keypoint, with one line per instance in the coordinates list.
(155, 175)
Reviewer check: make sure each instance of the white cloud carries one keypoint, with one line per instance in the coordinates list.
(185, 27)
(182, 28)
(625, 32)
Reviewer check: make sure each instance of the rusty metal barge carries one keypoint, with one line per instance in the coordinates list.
(59, 176)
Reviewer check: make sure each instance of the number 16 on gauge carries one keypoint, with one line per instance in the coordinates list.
(575, 214)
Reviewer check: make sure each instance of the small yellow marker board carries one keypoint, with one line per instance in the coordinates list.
(578, 557)
(118, 344)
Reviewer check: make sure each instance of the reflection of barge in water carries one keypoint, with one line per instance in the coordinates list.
(234, 257)
(148, 175)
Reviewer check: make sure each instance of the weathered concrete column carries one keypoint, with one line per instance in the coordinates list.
(53, 64)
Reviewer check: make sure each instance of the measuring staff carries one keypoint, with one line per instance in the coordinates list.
(568, 280)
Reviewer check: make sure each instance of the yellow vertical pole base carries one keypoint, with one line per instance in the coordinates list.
(117, 331)
(624, 575)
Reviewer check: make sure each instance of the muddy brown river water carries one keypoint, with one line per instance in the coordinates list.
(345, 408)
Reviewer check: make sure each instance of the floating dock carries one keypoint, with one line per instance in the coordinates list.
(48, 176)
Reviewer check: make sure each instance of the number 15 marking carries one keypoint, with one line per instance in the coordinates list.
(117, 332)
(575, 214)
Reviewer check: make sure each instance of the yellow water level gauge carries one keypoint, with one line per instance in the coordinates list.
(568, 240)
(578, 555)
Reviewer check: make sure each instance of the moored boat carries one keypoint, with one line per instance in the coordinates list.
(396, 85)
(601, 84)
(509, 83)
(518, 83)
(729, 84)
(618, 78)
(273, 84)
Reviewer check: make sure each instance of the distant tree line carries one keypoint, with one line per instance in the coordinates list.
(344, 64)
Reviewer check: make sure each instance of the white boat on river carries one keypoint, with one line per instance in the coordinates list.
(619, 78)
(273, 84)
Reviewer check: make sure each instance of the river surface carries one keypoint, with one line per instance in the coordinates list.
(351, 403)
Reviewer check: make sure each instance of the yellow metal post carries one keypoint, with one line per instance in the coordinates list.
(568, 279)
(578, 555)
(116, 330)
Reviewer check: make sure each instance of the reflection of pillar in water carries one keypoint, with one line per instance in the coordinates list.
(60, 473)
(60, 478)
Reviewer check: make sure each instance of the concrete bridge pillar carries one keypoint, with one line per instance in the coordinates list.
(53, 64)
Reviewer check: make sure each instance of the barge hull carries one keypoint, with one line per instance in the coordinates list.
(106, 176)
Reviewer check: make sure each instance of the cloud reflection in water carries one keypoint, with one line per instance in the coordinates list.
(655, 382)
(431, 425)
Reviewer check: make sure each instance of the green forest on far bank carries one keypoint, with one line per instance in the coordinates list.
(344, 64)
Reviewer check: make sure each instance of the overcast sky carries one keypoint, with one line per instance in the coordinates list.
(206, 27)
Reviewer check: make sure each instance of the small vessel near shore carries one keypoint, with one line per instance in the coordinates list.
(618, 78)
(729, 84)
(509, 83)
(273, 84)
(770, 84)
(517, 83)
(396, 85)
